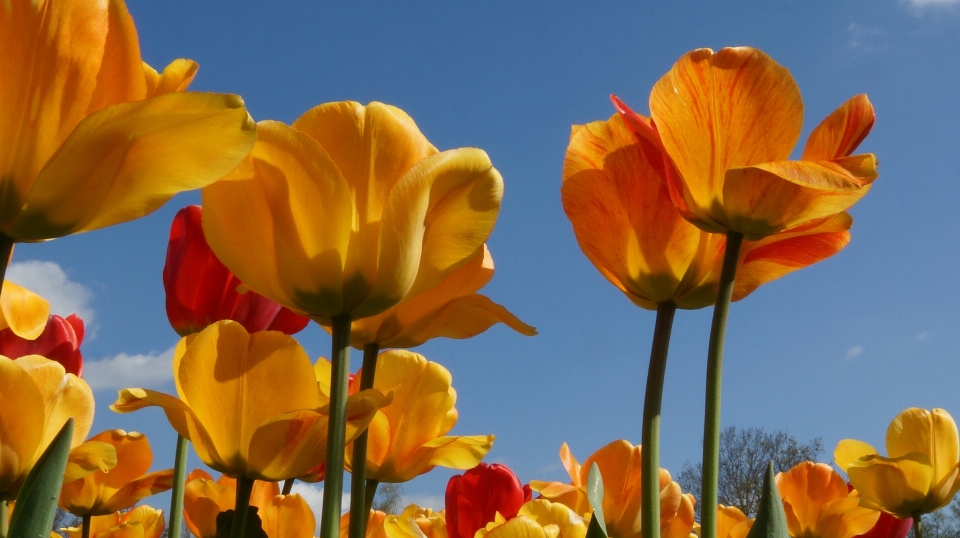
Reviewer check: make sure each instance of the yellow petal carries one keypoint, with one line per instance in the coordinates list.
(150, 518)
(65, 396)
(518, 527)
(257, 376)
(282, 222)
(933, 433)
(459, 452)
(288, 516)
(839, 134)
(897, 485)
(843, 518)
(717, 111)
(88, 458)
(570, 524)
(767, 198)
(175, 77)
(120, 78)
(23, 311)
(20, 432)
(851, 450)
(203, 499)
(146, 152)
(436, 218)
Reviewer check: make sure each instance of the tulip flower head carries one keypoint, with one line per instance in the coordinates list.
(728, 121)
(408, 437)
(140, 522)
(204, 498)
(432, 524)
(919, 473)
(200, 290)
(105, 492)
(474, 498)
(888, 526)
(619, 464)
(37, 396)
(731, 523)
(90, 135)
(60, 341)
(537, 519)
(817, 503)
(349, 210)
(23, 312)
(275, 425)
(616, 196)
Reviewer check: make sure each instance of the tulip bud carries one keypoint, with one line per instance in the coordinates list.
(474, 498)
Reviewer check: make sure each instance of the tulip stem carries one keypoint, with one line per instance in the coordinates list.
(711, 419)
(370, 492)
(244, 489)
(288, 486)
(359, 511)
(917, 527)
(650, 453)
(176, 496)
(6, 249)
(4, 519)
(337, 432)
(85, 526)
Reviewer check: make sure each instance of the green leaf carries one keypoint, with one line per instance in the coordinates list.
(37, 501)
(596, 528)
(771, 521)
(595, 496)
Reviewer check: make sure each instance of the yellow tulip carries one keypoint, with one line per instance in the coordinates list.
(616, 196)
(91, 136)
(124, 485)
(432, 524)
(619, 464)
(204, 498)
(140, 522)
(25, 313)
(729, 120)
(350, 210)
(37, 397)
(539, 518)
(249, 403)
(818, 505)
(919, 473)
(408, 437)
(452, 309)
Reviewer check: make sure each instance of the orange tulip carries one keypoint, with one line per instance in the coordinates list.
(140, 522)
(619, 464)
(615, 195)
(818, 505)
(731, 523)
(728, 122)
(103, 493)
(204, 498)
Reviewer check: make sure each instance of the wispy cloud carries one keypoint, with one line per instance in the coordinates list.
(313, 494)
(150, 370)
(50, 281)
(854, 351)
(864, 38)
(922, 337)
(921, 4)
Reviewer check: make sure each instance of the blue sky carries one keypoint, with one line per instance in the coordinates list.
(835, 350)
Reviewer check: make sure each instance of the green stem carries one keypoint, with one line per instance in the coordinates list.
(288, 486)
(4, 519)
(711, 419)
(176, 496)
(370, 492)
(359, 513)
(917, 528)
(244, 489)
(337, 432)
(650, 453)
(6, 247)
(85, 526)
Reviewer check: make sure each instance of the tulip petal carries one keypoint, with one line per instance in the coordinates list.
(850, 450)
(146, 151)
(807, 487)
(459, 452)
(23, 311)
(839, 134)
(288, 188)
(133, 454)
(88, 458)
(20, 432)
(288, 516)
(224, 367)
(436, 218)
(120, 78)
(65, 396)
(518, 527)
(767, 198)
(135, 490)
(897, 485)
(844, 518)
(933, 433)
(175, 77)
(463, 317)
(203, 499)
(717, 111)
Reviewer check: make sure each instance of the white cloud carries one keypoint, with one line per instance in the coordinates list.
(313, 494)
(922, 336)
(865, 38)
(930, 3)
(50, 281)
(423, 500)
(151, 370)
(854, 351)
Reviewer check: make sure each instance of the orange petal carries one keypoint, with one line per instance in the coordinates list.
(175, 77)
(717, 111)
(203, 499)
(839, 134)
(88, 458)
(120, 78)
(138, 489)
(288, 516)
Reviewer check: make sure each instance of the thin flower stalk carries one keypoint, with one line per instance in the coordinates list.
(650, 456)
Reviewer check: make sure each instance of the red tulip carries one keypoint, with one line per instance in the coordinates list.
(474, 498)
(59, 341)
(201, 290)
(889, 527)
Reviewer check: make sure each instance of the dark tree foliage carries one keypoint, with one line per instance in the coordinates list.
(388, 498)
(744, 455)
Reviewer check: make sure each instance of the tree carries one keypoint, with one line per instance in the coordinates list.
(744, 455)
(388, 498)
